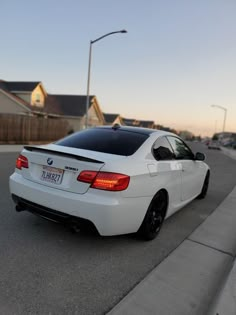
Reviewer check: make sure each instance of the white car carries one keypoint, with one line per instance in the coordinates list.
(120, 179)
(213, 144)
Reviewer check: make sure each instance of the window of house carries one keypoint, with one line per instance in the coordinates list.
(37, 97)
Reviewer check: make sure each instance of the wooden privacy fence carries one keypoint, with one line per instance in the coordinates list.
(25, 129)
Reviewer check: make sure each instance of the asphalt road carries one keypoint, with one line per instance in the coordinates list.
(45, 269)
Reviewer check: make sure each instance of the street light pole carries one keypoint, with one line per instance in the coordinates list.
(89, 70)
(88, 85)
(225, 113)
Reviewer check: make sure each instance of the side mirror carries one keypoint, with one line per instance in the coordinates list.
(199, 156)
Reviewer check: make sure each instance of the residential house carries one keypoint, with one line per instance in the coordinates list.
(73, 109)
(138, 123)
(111, 119)
(130, 122)
(146, 123)
(21, 97)
(31, 98)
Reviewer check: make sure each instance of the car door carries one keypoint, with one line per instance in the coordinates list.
(166, 172)
(191, 175)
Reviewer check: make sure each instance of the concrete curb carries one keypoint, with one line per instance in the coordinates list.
(190, 278)
(229, 152)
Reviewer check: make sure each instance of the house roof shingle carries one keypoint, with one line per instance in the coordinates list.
(110, 118)
(14, 86)
(3, 85)
(68, 105)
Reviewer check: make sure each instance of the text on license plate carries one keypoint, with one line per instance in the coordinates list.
(52, 175)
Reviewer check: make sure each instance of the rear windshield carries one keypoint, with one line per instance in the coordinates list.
(119, 142)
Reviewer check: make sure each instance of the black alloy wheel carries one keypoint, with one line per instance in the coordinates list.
(205, 186)
(154, 217)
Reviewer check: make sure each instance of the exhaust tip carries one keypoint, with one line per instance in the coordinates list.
(74, 226)
(19, 208)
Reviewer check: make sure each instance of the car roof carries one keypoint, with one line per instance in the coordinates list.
(140, 130)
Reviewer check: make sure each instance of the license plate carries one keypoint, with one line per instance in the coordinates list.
(51, 175)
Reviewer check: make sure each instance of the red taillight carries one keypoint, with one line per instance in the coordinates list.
(111, 181)
(105, 180)
(22, 161)
(87, 176)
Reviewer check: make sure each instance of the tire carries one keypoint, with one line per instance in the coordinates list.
(154, 217)
(205, 186)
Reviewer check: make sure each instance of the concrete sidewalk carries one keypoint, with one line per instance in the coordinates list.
(189, 280)
(225, 303)
(11, 147)
(229, 152)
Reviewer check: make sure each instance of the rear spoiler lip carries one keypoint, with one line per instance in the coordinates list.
(72, 156)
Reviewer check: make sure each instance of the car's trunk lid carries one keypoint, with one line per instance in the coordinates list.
(58, 167)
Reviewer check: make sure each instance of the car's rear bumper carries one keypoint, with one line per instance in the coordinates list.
(72, 222)
(110, 213)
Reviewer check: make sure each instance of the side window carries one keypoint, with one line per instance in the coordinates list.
(162, 150)
(181, 150)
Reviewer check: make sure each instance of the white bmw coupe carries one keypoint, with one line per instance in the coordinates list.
(120, 179)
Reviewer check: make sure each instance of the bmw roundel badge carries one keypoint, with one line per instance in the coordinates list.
(50, 161)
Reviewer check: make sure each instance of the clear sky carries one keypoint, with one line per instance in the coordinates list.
(178, 57)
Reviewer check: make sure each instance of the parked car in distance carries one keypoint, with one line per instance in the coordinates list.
(120, 179)
(214, 144)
